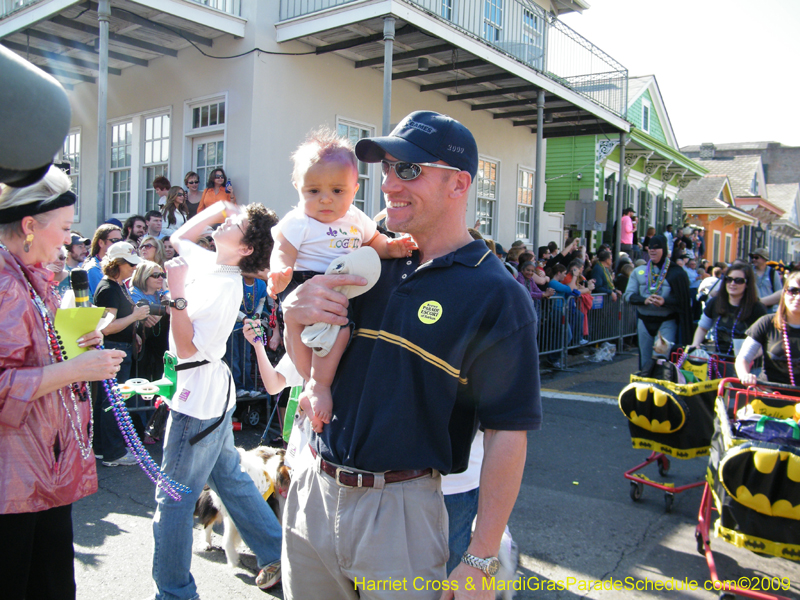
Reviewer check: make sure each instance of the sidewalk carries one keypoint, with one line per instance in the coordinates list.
(603, 380)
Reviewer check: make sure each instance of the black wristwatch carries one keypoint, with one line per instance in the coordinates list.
(489, 566)
(179, 303)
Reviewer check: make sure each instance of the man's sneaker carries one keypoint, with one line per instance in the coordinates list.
(242, 393)
(583, 341)
(124, 461)
(269, 576)
(98, 456)
(254, 393)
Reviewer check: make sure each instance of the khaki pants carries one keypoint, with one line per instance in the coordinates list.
(390, 540)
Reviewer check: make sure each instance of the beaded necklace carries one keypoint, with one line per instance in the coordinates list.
(654, 286)
(788, 354)
(134, 444)
(733, 333)
(608, 279)
(248, 310)
(78, 391)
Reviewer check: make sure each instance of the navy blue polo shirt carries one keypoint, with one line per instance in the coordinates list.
(436, 349)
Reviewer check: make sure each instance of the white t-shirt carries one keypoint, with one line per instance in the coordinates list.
(286, 368)
(167, 230)
(471, 478)
(318, 243)
(213, 295)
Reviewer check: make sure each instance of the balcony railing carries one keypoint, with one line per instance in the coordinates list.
(232, 7)
(526, 32)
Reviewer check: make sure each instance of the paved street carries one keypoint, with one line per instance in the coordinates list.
(574, 520)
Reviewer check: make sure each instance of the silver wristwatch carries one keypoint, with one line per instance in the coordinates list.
(488, 565)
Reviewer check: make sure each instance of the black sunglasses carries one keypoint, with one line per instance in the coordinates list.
(191, 182)
(408, 171)
(736, 280)
(146, 246)
(159, 275)
(793, 291)
(219, 176)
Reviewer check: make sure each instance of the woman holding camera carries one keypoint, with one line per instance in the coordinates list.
(112, 293)
(46, 460)
(149, 284)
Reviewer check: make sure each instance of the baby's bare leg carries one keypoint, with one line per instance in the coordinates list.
(317, 395)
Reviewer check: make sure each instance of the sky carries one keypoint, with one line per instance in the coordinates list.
(728, 70)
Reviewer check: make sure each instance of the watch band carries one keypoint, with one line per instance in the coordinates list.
(489, 565)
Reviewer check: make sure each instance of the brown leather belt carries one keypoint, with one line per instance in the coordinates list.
(355, 479)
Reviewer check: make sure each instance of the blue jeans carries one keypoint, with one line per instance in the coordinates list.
(108, 439)
(461, 511)
(668, 329)
(213, 459)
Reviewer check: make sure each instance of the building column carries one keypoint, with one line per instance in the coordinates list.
(539, 184)
(388, 51)
(103, 17)
(620, 195)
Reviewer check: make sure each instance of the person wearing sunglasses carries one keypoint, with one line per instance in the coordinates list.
(443, 341)
(151, 248)
(777, 338)
(768, 279)
(174, 212)
(193, 194)
(728, 315)
(149, 284)
(104, 236)
(216, 190)
(206, 290)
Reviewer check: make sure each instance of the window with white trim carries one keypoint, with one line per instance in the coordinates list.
(716, 244)
(646, 109)
(532, 37)
(447, 9)
(72, 154)
(486, 205)
(156, 157)
(208, 114)
(492, 20)
(120, 171)
(205, 123)
(354, 132)
(525, 191)
(728, 246)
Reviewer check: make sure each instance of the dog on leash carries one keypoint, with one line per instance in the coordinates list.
(266, 468)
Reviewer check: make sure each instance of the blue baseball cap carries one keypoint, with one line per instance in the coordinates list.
(424, 136)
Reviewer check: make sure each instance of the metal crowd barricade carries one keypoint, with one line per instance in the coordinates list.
(551, 335)
(604, 318)
(561, 324)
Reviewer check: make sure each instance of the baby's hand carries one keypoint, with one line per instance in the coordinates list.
(401, 247)
(277, 281)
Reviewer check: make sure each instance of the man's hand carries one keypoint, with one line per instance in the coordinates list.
(316, 301)
(277, 281)
(176, 269)
(470, 584)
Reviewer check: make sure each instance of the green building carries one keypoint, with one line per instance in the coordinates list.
(654, 171)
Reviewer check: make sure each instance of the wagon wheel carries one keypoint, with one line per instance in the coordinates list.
(701, 545)
(253, 417)
(669, 499)
(637, 489)
(727, 596)
(663, 465)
